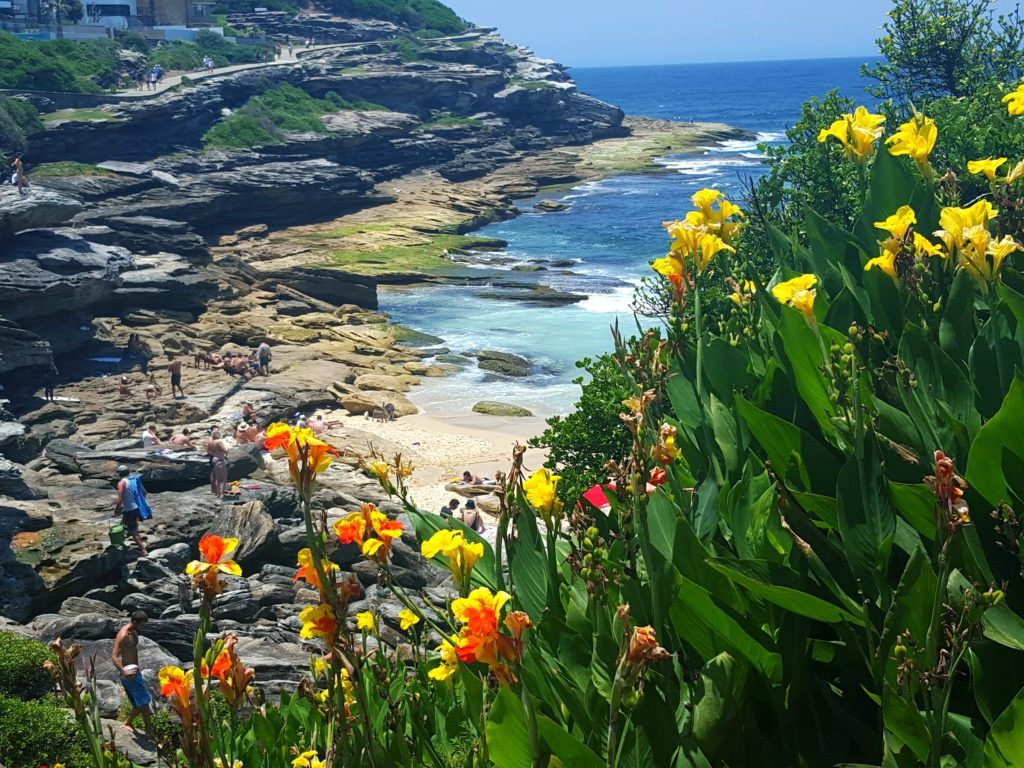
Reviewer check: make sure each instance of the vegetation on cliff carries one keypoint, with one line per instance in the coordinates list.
(264, 120)
(425, 16)
(57, 65)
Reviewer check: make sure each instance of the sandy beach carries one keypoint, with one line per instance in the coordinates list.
(441, 447)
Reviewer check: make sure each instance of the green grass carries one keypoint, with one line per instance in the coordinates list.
(79, 115)
(450, 121)
(419, 258)
(534, 85)
(69, 168)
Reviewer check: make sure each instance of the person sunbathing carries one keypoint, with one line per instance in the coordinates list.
(182, 440)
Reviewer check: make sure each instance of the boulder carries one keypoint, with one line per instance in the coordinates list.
(359, 403)
(493, 408)
(546, 206)
(83, 626)
(39, 208)
(382, 381)
(505, 369)
(471, 489)
(254, 528)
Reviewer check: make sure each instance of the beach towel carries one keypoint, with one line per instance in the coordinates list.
(135, 489)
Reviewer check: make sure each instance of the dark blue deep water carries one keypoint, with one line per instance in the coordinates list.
(613, 227)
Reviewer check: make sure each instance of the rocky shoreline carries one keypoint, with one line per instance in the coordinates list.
(137, 229)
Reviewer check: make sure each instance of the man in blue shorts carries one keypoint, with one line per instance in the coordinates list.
(126, 658)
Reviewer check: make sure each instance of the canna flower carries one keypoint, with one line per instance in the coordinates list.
(307, 454)
(658, 476)
(319, 666)
(886, 262)
(366, 622)
(966, 235)
(408, 619)
(233, 676)
(540, 489)
(318, 621)
(1015, 101)
(386, 529)
(214, 551)
(480, 612)
(449, 660)
(988, 167)
(1016, 173)
(644, 648)
(669, 267)
(462, 554)
(714, 213)
(309, 759)
(857, 132)
(915, 139)
(666, 451)
(350, 529)
(176, 685)
(379, 469)
(308, 571)
(218, 763)
(743, 292)
(798, 293)
(956, 221)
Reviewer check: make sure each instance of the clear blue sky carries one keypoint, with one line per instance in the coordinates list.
(610, 32)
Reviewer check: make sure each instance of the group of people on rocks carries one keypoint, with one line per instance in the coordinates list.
(149, 79)
(247, 365)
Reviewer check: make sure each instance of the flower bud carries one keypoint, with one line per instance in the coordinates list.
(592, 532)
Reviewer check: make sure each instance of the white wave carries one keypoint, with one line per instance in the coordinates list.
(767, 137)
(705, 166)
(586, 189)
(615, 302)
(754, 156)
(733, 145)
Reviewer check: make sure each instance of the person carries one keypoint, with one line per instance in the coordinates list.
(263, 353)
(242, 433)
(174, 366)
(19, 171)
(290, 50)
(471, 517)
(125, 656)
(448, 510)
(249, 410)
(469, 478)
(218, 453)
(149, 436)
(318, 425)
(182, 439)
(152, 390)
(50, 380)
(132, 505)
(124, 389)
(153, 77)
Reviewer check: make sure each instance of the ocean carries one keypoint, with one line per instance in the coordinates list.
(611, 230)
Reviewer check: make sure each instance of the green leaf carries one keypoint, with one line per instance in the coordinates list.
(866, 518)
(720, 699)
(997, 673)
(567, 748)
(705, 517)
(904, 723)
(916, 503)
(1003, 432)
(804, 352)
(529, 567)
(1004, 747)
(1003, 626)
(956, 329)
(781, 585)
(508, 740)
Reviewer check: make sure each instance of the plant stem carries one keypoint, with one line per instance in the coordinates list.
(531, 726)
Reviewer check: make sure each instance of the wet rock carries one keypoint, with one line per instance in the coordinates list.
(547, 206)
(493, 408)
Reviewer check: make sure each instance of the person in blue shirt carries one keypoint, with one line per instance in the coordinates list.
(132, 505)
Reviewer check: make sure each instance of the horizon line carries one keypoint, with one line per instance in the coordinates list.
(864, 57)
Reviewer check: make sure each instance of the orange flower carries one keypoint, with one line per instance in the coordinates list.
(215, 552)
(318, 621)
(658, 476)
(644, 648)
(479, 612)
(176, 685)
(307, 455)
(307, 570)
(233, 676)
(387, 530)
(350, 529)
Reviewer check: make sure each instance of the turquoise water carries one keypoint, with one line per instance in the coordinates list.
(611, 230)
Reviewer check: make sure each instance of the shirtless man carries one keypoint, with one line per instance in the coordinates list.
(248, 411)
(174, 367)
(182, 440)
(218, 453)
(124, 389)
(126, 658)
(19, 170)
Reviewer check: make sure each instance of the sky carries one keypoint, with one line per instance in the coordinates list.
(622, 32)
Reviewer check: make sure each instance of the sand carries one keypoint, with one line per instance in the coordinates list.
(441, 447)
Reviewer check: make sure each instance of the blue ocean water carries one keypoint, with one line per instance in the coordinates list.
(611, 230)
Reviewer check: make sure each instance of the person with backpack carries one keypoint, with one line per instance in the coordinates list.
(132, 505)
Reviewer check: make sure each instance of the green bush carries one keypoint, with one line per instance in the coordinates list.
(21, 667)
(18, 121)
(364, 106)
(239, 132)
(40, 732)
(580, 444)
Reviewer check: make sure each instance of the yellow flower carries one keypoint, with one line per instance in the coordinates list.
(886, 262)
(379, 468)
(462, 554)
(319, 664)
(217, 763)
(540, 491)
(408, 619)
(898, 224)
(309, 759)
(668, 266)
(857, 133)
(798, 293)
(743, 293)
(1015, 101)
(449, 660)
(916, 139)
(988, 166)
(999, 250)
(366, 622)
(711, 246)
(956, 221)
(307, 570)
(318, 621)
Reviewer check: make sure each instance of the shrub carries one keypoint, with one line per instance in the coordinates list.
(39, 732)
(239, 131)
(18, 121)
(21, 667)
(580, 444)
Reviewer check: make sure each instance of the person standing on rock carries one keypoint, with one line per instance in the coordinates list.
(263, 356)
(218, 453)
(125, 656)
(19, 172)
(132, 505)
(50, 380)
(174, 366)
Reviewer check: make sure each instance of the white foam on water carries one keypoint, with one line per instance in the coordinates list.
(617, 301)
(767, 137)
(706, 165)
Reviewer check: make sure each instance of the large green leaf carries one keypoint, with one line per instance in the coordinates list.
(1003, 432)
(995, 358)
(806, 357)
(508, 740)
(781, 585)
(705, 517)
(569, 750)
(1004, 626)
(530, 569)
(956, 329)
(867, 521)
(719, 700)
(997, 673)
(784, 443)
(904, 723)
(892, 184)
(1004, 747)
